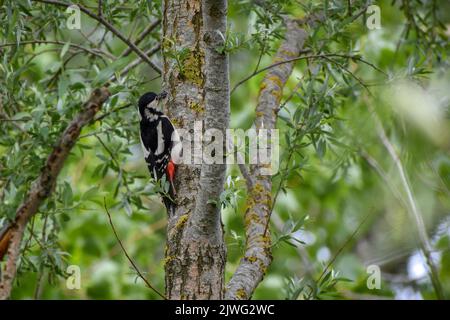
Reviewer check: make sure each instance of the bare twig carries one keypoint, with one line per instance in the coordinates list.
(135, 267)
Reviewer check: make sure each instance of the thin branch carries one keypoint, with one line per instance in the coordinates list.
(345, 244)
(110, 27)
(116, 162)
(141, 37)
(308, 266)
(135, 267)
(13, 122)
(96, 52)
(280, 185)
(289, 98)
(261, 52)
(127, 69)
(93, 133)
(100, 8)
(378, 169)
(137, 61)
(134, 64)
(313, 56)
(103, 116)
(102, 40)
(241, 163)
(256, 72)
(415, 212)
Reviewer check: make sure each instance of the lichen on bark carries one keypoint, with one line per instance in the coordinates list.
(258, 257)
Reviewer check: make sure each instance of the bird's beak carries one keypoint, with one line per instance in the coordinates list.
(161, 96)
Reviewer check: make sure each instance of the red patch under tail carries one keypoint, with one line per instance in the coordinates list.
(171, 174)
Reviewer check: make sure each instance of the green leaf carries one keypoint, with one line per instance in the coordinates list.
(107, 73)
(321, 148)
(64, 49)
(65, 217)
(126, 205)
(67, 194)
(90, 194)
(21, 116)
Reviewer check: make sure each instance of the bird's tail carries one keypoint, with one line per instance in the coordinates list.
(169, 202)
(5, 237)
(170, 205)
(169, 199)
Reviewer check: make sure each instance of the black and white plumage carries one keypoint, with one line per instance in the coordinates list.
(160, 141)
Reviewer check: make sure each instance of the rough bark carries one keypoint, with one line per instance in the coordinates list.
(45, 184)
(258, 257)
(195, 252)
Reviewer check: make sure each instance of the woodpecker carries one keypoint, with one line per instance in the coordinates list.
(160, 143)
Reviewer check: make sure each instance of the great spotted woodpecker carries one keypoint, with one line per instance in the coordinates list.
(160, 143)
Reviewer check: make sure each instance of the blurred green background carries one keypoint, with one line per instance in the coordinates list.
(342, 197)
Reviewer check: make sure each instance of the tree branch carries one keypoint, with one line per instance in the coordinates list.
(133, 264)
(141, 36)
(100, 8)
(138, 61)
(45, 184)
(96, 52)
(110, 27)
(258, 257)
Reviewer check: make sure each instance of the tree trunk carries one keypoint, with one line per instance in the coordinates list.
(258, 256)
(195, 251)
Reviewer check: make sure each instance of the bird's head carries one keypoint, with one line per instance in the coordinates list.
(150, 103)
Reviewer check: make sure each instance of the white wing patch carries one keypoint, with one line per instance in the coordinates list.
(155, 176)
(175, 154)
(150, 116)
(144, 150)
(176, 147)
(160, 148)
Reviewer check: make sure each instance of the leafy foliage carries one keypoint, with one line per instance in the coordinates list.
(333, 167)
